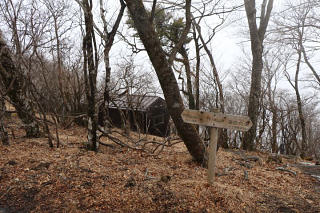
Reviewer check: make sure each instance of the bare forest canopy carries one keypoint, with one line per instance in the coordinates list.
(64, 63)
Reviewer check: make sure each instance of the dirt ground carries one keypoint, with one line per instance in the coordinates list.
(35, 178)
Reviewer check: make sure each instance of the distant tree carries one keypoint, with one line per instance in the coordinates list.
(294, 31)
(61, 24)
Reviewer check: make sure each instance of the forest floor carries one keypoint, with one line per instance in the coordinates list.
(36, 178)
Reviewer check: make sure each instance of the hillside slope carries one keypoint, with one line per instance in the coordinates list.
(35, 178)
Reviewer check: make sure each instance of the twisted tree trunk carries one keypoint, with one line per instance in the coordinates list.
(14, 82)
(166, 78)
(300, 105)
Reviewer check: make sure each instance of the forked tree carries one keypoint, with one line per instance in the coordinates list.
(257, 35)
(90, 73)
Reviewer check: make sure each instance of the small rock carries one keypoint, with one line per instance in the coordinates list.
(309, 201)
(42, 165)
(105, 177)
(286, 170)
(165, 178)
(12, 163)
(245, 175)
(63, 176)
(309, 158)
(131, 182)
(218, 174)
(4, 210)
(86, 184)
(317, 189)
(256, 159)
(204, 210)
(47, 183)
(274, 158)
(87, 170)
(284, 209)
(253, 158)
(247, 165)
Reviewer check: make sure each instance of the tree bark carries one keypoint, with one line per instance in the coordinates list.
(90, 70)
(14, 80)
(166, 78)
(273, 108)
(183, 52)
(299, 103)
(3, 132)
(197, 78)
(257, 37)
(314, 72)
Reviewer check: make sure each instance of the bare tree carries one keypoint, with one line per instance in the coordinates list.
(14, 80)
(293, 30)
(90, 67)
(257, 35)
(295, 86)
(108, 39)
(61, 24)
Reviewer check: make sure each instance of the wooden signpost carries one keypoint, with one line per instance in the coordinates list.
(215, 120)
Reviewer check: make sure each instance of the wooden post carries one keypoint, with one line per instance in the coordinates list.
(212, 151)
(215, 120)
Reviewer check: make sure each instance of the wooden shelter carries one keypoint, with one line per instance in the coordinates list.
(147, 114)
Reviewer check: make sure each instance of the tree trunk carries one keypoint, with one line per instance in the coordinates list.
(103, 116)
(59, 61)
(274, 111)
(108, 38)
(311, 67)
(183, 52)
(299, 103)
(91, 75)
(166, 78)
(274, 145)
(3, 132)
(257, 37)
(197, 78)
(14, 82)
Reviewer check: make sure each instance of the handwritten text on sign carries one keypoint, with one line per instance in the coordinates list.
(218, 120)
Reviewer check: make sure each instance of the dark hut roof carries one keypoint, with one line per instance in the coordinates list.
(136, 102)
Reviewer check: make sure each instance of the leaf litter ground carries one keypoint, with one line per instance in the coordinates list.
(35, 178)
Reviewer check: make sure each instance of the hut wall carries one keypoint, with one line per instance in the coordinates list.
(154, 120)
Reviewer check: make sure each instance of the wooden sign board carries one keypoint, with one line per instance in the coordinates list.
(215, 120)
